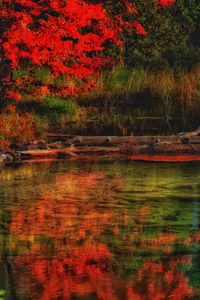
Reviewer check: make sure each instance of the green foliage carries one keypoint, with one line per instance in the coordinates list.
(41, 74)
(124, 80)
(48, 106)
(19, 73)
(182, 56)
(57, 106)
(168, 28)
(157, 78)
(2, 294)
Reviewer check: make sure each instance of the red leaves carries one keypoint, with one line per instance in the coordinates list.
(11, 108)
(14, 96)
(130, 8)
(166, 2)
(139, 29)
(68, 36)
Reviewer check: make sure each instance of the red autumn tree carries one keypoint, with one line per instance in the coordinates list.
(68, 37)
(165, 2)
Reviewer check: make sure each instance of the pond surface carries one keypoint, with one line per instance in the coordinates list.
(108, 231)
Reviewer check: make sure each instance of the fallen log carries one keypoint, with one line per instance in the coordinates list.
(120, 140)
(105, 141)
(67, 152)
(190, 133)
(123, 151)
(121, 147)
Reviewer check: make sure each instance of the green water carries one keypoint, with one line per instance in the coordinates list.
(105, 231)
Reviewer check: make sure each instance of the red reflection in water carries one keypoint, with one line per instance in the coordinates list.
(87, 271)
(83, 271)
(69, 210)
(60, 255)
(161, 281)
(76, 264)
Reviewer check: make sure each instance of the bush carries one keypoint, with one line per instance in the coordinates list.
(182, 57)
(16, 128)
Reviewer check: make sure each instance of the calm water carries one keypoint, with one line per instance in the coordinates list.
(109, 231)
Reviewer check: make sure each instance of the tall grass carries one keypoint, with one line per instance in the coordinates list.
(125, 101)
(188, 90)
(126, 95)
(120, 84)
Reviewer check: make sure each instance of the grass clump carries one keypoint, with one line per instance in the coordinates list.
(125, 96)
(57, 106)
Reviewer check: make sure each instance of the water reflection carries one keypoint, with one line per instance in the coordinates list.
(106, 231)
(158, 280)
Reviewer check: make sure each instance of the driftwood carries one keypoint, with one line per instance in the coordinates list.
(190, 133)
(179, 138)
(118, 140)
(183, 145)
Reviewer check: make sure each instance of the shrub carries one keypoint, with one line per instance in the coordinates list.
(17, 128)
(182, 57)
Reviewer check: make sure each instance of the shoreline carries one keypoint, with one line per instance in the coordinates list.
(175, 148)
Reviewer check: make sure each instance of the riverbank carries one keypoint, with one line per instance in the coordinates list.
(133, 101)
(180, 147)
(124, 101)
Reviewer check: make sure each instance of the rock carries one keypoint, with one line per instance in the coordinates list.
(2, 159)
(9, 157)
